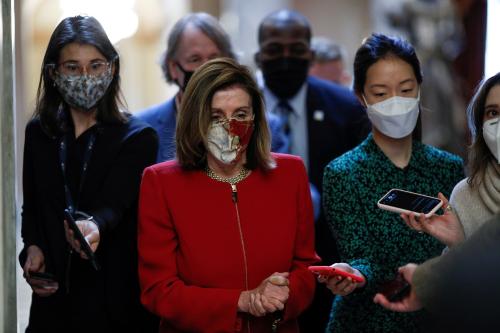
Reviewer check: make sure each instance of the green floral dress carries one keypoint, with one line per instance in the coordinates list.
(375, 241)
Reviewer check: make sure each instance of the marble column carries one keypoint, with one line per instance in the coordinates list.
(8, 315)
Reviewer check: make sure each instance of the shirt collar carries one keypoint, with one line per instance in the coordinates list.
(297, 102)
(417, 153)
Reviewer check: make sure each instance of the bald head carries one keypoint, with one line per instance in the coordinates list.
(284, 51)
(282, 22)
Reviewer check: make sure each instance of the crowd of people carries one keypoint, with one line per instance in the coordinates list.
(204, 213)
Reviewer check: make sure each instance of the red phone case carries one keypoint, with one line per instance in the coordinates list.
(330, 271)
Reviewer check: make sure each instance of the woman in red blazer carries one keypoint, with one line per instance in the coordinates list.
(226, 230)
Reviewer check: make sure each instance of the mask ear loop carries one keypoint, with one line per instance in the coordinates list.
(364, 100)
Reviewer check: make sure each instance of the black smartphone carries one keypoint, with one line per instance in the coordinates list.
(396, 289)
(85, 247)
(400, 201)
(43, 276)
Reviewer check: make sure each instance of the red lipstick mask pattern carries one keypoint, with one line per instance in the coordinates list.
(227, 140)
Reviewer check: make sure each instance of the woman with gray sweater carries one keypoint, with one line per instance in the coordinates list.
(476, 199)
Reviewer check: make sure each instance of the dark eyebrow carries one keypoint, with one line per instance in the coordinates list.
(494, 105)
(91, 60)
(377, 85)
(406, 81)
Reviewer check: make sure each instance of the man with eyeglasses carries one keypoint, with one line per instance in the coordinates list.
(195, 39)
(321, 121)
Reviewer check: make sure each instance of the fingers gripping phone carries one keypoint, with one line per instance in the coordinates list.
(84, 245)
(331, 271)
(43, 276)
(400, 201)
(395, 289)
(43, 280)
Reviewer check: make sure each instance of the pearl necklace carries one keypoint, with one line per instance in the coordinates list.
(244, 172)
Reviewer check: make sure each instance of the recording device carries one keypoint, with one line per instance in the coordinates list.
(400, 201)
(84, 245)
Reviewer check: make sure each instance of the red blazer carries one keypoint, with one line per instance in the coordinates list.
(191, 258)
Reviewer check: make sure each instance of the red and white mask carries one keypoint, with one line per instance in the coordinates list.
(228, 139)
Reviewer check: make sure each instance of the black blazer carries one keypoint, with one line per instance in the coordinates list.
(336, 123)
(109, 299)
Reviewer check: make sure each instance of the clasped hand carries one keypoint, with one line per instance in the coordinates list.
(89, 230)
(270, 296)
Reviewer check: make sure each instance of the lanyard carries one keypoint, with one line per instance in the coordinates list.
(63, 156)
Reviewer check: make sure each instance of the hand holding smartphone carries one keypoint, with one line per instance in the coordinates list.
(84, 245)
(42, 281)
(400, 201)
(396, 289)
(331, 271)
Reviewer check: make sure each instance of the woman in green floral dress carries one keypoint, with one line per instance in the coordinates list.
(372, 242)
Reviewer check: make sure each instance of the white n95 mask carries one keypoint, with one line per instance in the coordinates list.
(491, 135)
(395, 117)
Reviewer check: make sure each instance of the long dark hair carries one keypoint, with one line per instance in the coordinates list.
(479, 153)
(83, 30)
(380, 46)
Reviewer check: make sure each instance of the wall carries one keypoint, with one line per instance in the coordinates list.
(346, 22)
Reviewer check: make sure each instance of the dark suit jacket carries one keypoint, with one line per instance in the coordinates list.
(162, 118)
(107, 300)
(343, 127)
(461, 288)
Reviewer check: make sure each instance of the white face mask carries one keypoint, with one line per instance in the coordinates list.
(227, 140)
(491, 135)
(395, 117)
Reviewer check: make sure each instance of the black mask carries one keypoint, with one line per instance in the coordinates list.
(284, 76)
(187, 77)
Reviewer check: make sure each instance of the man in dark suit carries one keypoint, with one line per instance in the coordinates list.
(195, 39)
(321, 120)
(460, 289)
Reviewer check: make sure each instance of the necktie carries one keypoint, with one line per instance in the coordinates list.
(285, 110)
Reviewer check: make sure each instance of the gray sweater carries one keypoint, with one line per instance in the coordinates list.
(469, 207)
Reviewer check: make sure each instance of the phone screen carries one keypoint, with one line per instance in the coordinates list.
(410, 201)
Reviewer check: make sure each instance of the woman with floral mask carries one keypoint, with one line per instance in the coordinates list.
(225, 231)
(477, 198)
(85, 155)
(372, 242)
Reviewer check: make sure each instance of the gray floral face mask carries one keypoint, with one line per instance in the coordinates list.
(83, 91)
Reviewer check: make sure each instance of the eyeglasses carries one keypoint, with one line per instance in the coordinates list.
(220, 119)
(72, 68)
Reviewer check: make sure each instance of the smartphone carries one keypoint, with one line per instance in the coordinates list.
(396, 289)
(83, 242)
(331, 271)
(43, 280)
(400, 201)
(43, 276)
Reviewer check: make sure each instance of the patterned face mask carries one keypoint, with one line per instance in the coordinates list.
(227, 140)
(83, 92)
